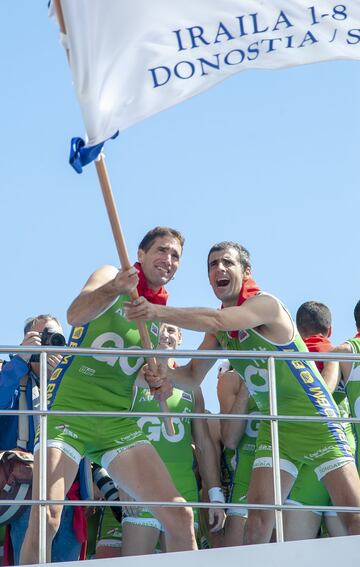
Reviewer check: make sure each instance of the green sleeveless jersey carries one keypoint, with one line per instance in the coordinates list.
(300, 388)
(353, 392)
(100, 382)
(176, 450)
(248, 440)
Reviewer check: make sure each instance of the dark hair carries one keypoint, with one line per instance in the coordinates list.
(243, 253)
(159, 232)
(357, 314)
(29, 323)
(313, 318)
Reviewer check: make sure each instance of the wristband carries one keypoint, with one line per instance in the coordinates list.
(216, 494)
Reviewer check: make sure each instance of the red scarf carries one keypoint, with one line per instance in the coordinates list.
(318, 343)
(158, 297)
(248, 289)
(357, 336)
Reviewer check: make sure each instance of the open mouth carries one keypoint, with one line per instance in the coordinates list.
(222, 282)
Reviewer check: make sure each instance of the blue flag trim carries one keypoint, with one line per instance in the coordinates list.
(81, 155)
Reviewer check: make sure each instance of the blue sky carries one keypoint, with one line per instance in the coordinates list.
(267, 158)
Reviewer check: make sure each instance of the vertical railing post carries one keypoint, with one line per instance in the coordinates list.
(43, 458)
(275, 450)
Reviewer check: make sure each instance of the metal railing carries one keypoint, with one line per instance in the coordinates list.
(278, 507)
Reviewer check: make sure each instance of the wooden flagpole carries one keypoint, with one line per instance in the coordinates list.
(119, 238)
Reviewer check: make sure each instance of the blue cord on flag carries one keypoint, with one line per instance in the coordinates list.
(81, 155)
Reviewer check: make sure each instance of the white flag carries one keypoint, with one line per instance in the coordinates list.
(133, 58)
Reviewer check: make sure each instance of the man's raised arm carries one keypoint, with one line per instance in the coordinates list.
(256, 311)
(101, 290)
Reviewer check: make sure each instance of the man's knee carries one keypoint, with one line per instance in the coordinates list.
(351, 523)
(176, 519)
(259, 525)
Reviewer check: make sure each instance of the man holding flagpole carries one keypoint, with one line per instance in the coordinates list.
(253, 320)
(105, 383)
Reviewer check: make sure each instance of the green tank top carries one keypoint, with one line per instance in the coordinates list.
(176, 450)
(353, 392)
(100, 382)
(300, 388)
(248, 440)
(173, 449)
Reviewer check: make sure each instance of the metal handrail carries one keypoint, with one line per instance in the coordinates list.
(197, 354)
(271, 356)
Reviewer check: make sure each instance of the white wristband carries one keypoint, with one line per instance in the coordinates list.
(216, 494)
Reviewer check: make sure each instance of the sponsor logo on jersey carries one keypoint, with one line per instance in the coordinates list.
(128, 438)
(116, 341)
(87, 371)
(243, 335)
(146, 396)
(186, 396)
(154, 429)
(77, 332)
(154, 329)
(120, 312)
(66, 431)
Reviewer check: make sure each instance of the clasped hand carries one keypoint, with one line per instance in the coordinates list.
(140, 310)
(156, 377)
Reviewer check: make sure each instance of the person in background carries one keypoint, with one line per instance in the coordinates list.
(239, 440)
(348, 372)
(19, 389)
(141, 530)
(313, 320)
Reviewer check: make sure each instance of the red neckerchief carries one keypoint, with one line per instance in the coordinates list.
(248, 289)
(158, 297)
(357, 336)
(318, 343)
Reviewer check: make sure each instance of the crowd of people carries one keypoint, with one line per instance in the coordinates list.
(131, 459)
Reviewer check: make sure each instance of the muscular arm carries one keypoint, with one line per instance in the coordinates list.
(100, 290)
(333, 371)
(233, 397)
(192, 374)
(206, 455)
(256, 311)
(208, 461)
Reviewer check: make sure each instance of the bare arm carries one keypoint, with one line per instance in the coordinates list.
(192, 374)
(233, 397)
(101, 289)
(206, 454)
(208, 462)
(256, 311)
(333, 371)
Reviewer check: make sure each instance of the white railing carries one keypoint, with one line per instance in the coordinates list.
(271, 356)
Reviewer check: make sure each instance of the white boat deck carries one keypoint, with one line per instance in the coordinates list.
(331, 552)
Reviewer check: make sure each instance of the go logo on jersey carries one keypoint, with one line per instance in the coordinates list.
(256, 379)
(118, 342)
(154, 429)
(252, 426)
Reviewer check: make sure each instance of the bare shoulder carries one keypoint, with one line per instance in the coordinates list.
(344, 347)
(100, 277)
(265, 301)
